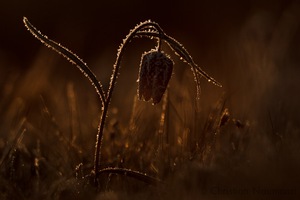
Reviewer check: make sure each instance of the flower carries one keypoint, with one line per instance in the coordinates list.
(154, 75)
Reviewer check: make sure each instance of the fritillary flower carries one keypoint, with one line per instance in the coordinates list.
(154, 75)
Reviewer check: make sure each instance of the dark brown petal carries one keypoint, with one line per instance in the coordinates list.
(155, 73)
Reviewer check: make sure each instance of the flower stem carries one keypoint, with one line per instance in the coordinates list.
(114, 76)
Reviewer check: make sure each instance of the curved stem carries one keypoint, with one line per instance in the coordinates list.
(131, 173)
(121, 52)
(116, 67)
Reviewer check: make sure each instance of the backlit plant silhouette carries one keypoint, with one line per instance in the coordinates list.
(154, 74)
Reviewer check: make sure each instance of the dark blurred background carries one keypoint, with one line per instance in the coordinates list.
(251, 47)
(89, 27)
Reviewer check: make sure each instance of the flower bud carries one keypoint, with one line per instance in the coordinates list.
(155, 73)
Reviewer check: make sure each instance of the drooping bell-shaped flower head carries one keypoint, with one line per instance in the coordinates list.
(154, 75)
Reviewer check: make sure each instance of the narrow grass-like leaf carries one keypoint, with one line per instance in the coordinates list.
(73, 58)
(182, 53)
(131, 173)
